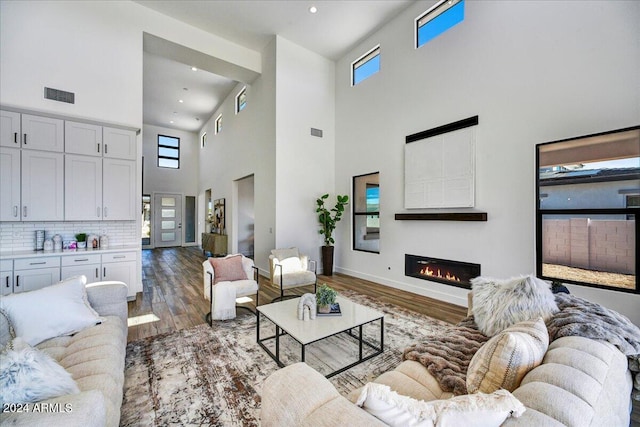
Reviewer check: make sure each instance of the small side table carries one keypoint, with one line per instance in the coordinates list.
(214, 243)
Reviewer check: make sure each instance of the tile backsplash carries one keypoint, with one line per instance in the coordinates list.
(16, 236)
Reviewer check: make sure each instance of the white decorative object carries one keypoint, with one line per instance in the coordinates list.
(307, 314)
(307, 301)
(57, 310)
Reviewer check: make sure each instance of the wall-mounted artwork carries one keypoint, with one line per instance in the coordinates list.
(218, 225)
(440, 166)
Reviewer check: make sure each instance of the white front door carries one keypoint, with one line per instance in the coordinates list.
(167, 220)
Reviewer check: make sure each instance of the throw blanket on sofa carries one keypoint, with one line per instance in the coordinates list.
(447, 356)
(587, 319)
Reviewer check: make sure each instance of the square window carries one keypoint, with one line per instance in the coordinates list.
(218, 125)
(168, 152)
(438, 19)
(241, 100)
(365, 66)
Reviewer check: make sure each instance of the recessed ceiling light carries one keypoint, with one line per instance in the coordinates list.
(194, 69)
(170, 121)
(180, 101)
(313, 9)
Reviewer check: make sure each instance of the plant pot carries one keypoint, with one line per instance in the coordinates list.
(327, 260)
(324, 308)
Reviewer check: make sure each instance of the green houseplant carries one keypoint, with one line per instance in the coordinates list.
(81, 238)
(325, 296)
(328, 220)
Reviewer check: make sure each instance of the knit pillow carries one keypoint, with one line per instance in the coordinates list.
(505, 359)
(480, 410)
(228, 269)
(498, 304)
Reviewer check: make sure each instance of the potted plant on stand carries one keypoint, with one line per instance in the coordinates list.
(328, 220)
(325, 296)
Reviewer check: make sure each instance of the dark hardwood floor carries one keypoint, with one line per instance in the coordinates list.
(173, 292)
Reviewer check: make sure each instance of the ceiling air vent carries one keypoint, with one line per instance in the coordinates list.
(59, 95)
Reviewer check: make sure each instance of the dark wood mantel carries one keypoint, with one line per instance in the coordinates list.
(442, 216)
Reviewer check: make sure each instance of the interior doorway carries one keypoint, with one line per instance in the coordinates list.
(246, 216)
(167, 220)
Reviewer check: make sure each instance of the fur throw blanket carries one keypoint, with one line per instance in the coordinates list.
(583, 318)
(447, 356)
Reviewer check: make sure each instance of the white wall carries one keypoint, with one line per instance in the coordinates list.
(304, 163)
(533, 72)
(93, 49)
(183, 180)
(246, 146)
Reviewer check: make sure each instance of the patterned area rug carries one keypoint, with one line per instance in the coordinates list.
(213, 376)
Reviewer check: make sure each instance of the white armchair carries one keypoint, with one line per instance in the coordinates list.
(236, 277)
(290, 269)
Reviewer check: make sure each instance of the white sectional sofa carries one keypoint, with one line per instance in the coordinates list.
(95, 358)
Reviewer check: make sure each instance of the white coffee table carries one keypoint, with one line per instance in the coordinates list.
(284, 315)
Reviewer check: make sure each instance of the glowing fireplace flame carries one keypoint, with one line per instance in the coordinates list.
(428, 271)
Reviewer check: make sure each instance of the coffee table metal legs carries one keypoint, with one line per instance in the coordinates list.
(361, 343)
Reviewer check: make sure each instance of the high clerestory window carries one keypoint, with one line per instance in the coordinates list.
(168, 152)
(365, 66)
(241, 100)
(438, 19)
(218, 126)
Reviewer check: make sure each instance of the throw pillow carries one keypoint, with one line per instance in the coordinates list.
(505, 359)
(57, 310)
(227, 269)
(29, 375)
(498, 304)
(6, 330)
(482, 410)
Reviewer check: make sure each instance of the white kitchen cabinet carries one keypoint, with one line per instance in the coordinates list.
(82, 188)
(42, 187)
(10, 184)
(118, 189)
(42, 133)
(6, 277)
(88, 265)
(119, 143)
(30, 274)
(82, 138)
(121, 266)
(10, 133)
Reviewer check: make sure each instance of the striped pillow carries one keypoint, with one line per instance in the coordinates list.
(506, 358)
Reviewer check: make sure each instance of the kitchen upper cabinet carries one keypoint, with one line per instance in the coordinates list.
(82, 188)
(42, 186)
(119, 143)
(10, 133)
(42, 133)
(10, 184)
(32, 132)
(118, 189)
(82, 138)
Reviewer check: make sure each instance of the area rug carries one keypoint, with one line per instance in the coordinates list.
(213, 376)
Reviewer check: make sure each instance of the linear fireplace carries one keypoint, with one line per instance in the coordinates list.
(445, 271)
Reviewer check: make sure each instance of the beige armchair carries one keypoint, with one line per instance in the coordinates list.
(289, 269)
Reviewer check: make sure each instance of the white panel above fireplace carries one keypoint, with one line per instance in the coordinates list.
(440, 171)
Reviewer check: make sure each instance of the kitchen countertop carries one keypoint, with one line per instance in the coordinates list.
(20, 254)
